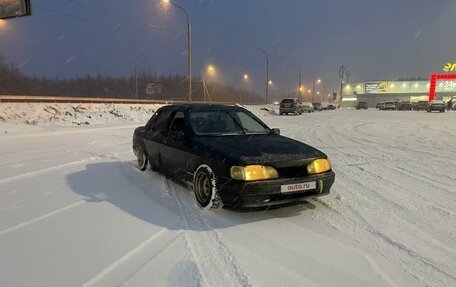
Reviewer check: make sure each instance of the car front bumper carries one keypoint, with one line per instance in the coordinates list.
(239, 194)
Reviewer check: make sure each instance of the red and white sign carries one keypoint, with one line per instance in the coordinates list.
(298, 187)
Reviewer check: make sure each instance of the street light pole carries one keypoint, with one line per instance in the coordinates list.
(136, 75)
(189, 49)
(313, 89)
(299, 84)
(267, 72)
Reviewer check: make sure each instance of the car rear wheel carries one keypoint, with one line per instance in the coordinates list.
(205, 188)
(142, 159)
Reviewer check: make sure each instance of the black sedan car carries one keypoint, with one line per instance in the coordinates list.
(230, 157)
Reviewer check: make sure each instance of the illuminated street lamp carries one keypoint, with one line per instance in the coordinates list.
(313, 87)
(211, 71)
(189, 46)
(270, 82)
(245, 79)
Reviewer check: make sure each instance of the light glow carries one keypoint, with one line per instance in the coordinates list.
(318, 166)
(253, 172)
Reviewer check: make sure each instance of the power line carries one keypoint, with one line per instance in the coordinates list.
(75, 17)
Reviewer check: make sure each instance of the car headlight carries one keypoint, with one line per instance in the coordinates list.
(253, 172)
(318, 166)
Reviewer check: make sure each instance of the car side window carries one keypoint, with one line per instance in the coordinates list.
(152, 121)
(178, 122)
(162, 120)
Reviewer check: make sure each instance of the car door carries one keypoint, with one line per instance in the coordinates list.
(176, 151)
(154, 135)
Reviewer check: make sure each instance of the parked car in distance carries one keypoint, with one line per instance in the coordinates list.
(317, 106)
(380, 106)
(421, 106)
(331, 106)
(404, 106)
(388, 106)
(361, 105)
(436, 105)
(324, 106)
(290, 106)
(307, 107)
(230, 157)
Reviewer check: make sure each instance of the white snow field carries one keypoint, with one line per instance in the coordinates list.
(75, 211)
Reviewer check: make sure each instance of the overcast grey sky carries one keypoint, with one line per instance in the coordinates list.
(374, 39)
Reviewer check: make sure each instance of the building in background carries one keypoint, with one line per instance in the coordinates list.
(375, 92)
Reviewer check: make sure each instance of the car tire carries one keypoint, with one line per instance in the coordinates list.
(141, 159)
(205, 188)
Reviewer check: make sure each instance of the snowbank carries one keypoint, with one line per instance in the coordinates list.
(74, 114)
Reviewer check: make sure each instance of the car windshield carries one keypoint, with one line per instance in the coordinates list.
(226, 123)
(287, 101)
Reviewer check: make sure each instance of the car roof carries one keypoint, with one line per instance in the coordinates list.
(201, 106)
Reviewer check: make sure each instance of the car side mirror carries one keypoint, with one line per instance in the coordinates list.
(177, 135)
(276, 131)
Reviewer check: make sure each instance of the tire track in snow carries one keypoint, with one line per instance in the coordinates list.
(216, 264)
(36, 219)
(126, 257)
(45, 170)
(360, 223)
(355, 225)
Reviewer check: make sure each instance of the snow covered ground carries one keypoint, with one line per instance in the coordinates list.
(75, 211)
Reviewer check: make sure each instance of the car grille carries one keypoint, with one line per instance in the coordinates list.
(292, 172)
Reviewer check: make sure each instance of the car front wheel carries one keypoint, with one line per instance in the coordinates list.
(205, 188)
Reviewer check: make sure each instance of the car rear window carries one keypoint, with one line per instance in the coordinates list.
(287, 101)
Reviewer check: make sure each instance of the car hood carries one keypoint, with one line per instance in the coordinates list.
(274, 150)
